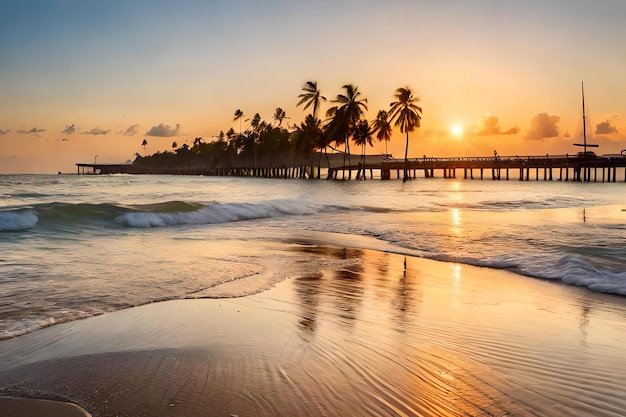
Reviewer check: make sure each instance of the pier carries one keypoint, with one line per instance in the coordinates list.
(526, 168)
(584, 167)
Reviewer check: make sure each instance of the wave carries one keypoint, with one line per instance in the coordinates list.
(569, 269)
(214, 213)
(170, 213)
(17, 219)
(576, 271)
(599, 271)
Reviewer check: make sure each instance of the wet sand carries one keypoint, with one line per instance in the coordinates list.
(373, 340)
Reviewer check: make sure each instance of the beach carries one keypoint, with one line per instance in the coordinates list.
(195, 296)
(369, 339)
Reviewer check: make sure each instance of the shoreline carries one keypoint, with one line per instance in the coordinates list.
(372, 338)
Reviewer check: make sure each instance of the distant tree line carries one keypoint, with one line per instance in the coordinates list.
(266, 144)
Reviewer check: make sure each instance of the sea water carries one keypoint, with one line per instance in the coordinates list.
(74, 246)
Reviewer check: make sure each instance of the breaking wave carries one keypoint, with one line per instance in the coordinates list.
(17, 219)
(214, 213)
(170, 213)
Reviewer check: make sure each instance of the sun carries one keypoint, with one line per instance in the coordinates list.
(456, 130)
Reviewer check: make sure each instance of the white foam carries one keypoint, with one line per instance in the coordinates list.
(214, 213)
(13, 220)
(575, 271)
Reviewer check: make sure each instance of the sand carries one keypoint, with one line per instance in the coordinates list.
(21, 407)
(435, 340)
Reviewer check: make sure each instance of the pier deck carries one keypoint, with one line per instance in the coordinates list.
(606, 168)
(549, 167)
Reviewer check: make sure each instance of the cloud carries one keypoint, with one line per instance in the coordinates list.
(489, 126)
(605, 128)
(129, 131)
(33, 130)
(96, 131)
(542, 126)
(164, 131)
(4, 132)
(69, 129)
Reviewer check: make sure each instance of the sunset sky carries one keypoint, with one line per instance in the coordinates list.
(84, 78)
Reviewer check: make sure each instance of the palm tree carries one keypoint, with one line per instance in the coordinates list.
(279, 115)
(144, 144)
(351, 110)
(238, 116)
(350, 105)
(311, 97)
(382, 128)
(362, 136)
(407, 116)
(258, 125)
(309, 136)
(174, 145)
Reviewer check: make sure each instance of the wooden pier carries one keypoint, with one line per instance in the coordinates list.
(586, 168)
(302, 171)
(547, 168)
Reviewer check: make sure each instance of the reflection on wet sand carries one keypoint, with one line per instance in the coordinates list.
(459, 338)
(371, 338)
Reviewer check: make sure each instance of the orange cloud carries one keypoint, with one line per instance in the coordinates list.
(96, 131)
(488, 126)
(605, 128)
(163, 130)
(542, 126)
(69, 129)
(129, 131)
(33, 130)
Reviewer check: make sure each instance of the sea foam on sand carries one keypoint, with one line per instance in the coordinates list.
(372, 338)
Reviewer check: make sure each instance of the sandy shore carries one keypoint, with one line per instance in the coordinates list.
(436, 339)
(22, 407)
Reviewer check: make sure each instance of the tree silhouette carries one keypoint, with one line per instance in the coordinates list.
(350, 111)
(257, 123)
(238, 116)
(382, 128)
(279, 116)
(362, 136)
(269, 143)
(407, 116)
(311, 97)
(307, 137)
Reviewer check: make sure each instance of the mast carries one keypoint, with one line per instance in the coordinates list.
(585, 145)
(582, 85)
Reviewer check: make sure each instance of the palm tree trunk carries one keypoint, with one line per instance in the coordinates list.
(327, 159)
(406, 159)
(345, 153)
(363, 162)
(349, 159)
(319, 165)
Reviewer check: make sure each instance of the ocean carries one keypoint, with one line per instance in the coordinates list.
(75, 246)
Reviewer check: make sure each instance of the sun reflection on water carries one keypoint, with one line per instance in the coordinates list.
(456, 222)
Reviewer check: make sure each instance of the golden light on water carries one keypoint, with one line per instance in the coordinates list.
(456, 217)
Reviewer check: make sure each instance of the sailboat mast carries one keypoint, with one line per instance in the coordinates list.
(584, 119)
(584, 154)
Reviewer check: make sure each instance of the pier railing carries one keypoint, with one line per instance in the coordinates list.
(585, 168)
